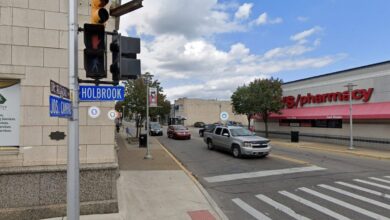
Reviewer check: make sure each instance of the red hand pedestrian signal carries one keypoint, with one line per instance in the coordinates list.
(95, 42)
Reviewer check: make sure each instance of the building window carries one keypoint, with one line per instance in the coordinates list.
(319, 123)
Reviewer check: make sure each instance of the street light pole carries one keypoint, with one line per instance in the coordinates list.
(148, 155)
(350, 88)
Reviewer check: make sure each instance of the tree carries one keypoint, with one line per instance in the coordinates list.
(262, 97)
(266, 98)
(241, 104)
(135, 100)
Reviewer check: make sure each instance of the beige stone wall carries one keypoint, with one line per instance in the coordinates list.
(206, 111)
(33, 48)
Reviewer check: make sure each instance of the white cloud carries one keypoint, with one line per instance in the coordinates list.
(180, 17)
(177, 47)
(243, 11)
(263, 20)
(301, 37)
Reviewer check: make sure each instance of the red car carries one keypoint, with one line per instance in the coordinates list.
(178, 132)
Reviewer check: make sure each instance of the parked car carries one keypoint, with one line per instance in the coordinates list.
(237, 140)
(178, 132)
(199, 124)
(155, 129)
(208, 127)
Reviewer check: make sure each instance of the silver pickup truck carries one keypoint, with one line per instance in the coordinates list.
(238, 140)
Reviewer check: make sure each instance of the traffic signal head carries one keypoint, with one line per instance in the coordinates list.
(125, 64)
(99, 15)
(95, 51)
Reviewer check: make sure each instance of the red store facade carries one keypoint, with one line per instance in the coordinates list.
(318, 108)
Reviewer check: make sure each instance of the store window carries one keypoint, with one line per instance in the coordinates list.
(319, 123)
(9, 113)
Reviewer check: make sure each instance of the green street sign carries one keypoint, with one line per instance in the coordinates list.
(2, 99)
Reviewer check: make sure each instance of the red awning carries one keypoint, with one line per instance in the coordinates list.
(379, 110)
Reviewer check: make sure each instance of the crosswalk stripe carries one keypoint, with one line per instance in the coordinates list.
(229, 177)
(281, 207)
(344, 204)
(380, 180)
(250, 210)
(315, 206)
(364, 189)
(372, 184)
(362, 198)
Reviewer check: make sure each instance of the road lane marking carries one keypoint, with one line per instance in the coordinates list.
(344, 204)
(380, 180)
(355, 196)
(315, 206)
(281, 207)
(237, 176)
(364, 189)
(250, 210)
(387, 176)
(289, 159)
(372, 184)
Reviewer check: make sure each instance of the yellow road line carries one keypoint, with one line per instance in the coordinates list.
(178, 162)
(290, 159)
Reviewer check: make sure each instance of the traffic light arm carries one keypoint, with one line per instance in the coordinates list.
(126, 8)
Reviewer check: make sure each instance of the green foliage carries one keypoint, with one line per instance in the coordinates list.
(262, 97)
(135, 99)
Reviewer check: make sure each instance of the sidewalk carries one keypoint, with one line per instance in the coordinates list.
(358, 151)
(156, 189)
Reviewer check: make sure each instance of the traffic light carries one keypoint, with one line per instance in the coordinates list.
(99, 15)
(95, 51)
(124, 58)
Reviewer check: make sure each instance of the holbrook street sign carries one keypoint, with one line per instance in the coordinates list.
(102, 93)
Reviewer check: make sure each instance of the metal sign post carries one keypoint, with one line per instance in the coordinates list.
(148, 155)
(73, 179)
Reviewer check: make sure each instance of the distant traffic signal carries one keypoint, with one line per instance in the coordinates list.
(124, 58)
(95, 51)
(99, 15)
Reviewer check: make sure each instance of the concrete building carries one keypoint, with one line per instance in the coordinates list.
(318, 108)
(202, 110)
(33, 51)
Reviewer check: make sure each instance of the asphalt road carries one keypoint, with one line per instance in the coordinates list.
(282, 186)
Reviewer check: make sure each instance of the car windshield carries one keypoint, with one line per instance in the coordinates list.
(180, 127)
(240, 132)
(155, 126)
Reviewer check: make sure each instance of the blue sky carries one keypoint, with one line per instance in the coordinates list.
(206, 48)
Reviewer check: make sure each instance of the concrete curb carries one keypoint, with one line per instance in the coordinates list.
(212, 203)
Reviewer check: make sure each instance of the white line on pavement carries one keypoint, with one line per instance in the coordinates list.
(344, 204)
(387, 176)
(281, 207)
(380, 180)
(355, 196)
(372, 184)
(237, 176)
(250, 210)
(364, 189)
(315, 206)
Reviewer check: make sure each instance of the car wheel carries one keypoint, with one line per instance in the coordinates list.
(236, 152)
(210, 145)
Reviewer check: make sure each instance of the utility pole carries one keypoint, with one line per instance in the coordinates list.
(148, 155)
(350, 88)
(73, 172)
